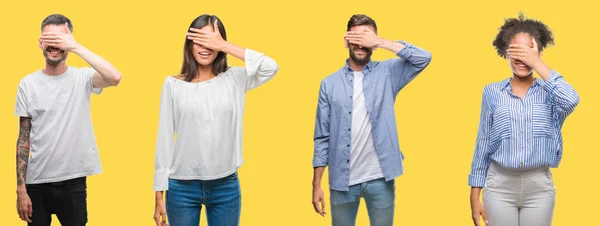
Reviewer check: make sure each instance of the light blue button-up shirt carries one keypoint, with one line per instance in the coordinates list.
(523, 133)
(381, 83)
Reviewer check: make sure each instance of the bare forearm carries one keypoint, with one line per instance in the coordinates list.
(23, 151)
(542, 69)
(318, 174)
(234, 50)
(475, 193)
(390, 45)
(159, 196)
(109, 73)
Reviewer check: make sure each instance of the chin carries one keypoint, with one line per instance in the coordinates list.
(523, 74)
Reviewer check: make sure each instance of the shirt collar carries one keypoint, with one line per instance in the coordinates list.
(368, 66)
(505, 84)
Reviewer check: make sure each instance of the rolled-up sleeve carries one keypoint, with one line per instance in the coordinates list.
(259, 70)
(413, 60)
(481, 157)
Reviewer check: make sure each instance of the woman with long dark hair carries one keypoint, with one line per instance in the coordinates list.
(520, 136)
(203, 107)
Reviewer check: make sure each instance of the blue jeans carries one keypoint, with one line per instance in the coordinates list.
(379, 196)
(221, 197)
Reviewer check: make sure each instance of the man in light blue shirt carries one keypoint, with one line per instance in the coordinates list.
(355, 131)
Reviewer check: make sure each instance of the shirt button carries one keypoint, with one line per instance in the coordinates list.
(521, 164)
(348, 129)
(522, 147)
(521, 115)
(521, 131)
(348, 145)
(349, 112)
(347, 160)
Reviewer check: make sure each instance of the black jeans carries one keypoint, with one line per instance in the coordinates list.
(66, 199)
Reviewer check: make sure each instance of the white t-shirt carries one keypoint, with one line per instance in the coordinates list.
(62, 141)
(364, 162)
(206, 118)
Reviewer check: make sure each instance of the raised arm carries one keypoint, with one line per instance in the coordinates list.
(106, 75)
(412, 60)
(563, 97)
(259, 68)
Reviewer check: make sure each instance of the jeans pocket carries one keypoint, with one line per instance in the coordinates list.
(233, 176)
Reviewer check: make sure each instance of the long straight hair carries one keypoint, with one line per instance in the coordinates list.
(189, 68)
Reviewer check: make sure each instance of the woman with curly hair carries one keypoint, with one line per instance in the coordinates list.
(519, 135)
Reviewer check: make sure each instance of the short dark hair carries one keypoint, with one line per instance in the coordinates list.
(361, 19)
(513, 26)
(57, 19)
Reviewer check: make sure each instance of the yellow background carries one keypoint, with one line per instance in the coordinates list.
(437, 113)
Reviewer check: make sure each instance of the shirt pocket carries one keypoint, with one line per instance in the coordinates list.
(501, 124)
(541, 120)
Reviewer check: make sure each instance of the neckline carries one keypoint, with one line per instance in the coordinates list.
(205, 82)
(47, 76)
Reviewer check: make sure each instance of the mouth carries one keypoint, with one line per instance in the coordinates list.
(360, 51)
(204, 54)
(54, 51)
(521, 66)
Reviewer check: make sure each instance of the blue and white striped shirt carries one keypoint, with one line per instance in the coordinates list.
(522, 133)
(381, 83)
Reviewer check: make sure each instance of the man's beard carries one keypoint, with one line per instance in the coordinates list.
(54, 62)
(358, 60)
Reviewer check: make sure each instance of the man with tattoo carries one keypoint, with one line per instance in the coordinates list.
(56, 148)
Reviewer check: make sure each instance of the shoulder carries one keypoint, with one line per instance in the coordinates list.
(333, 77)
(180, 77)
(495, 87)
(30, 79)
(234, 71)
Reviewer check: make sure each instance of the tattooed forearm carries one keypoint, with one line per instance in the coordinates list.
(23, 149)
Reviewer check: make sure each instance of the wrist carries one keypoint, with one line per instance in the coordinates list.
(159, 196)
(381, 43)
(77, 49)
(21, 190)
(537, 64)
(316, 185)
(224, 47)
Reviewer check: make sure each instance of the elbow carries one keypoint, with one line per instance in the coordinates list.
(115, 79)
(427, 58)
(271, 67)
(573, 102)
